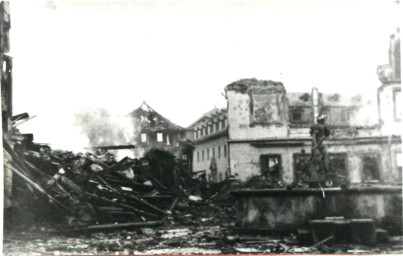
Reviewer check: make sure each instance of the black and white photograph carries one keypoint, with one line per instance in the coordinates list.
(201, 127)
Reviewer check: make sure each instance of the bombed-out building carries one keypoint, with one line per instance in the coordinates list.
(157, 132)
(269, 133)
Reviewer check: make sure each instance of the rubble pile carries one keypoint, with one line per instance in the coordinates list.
(63, 192)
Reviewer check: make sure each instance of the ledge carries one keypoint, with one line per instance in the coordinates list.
(317, 191)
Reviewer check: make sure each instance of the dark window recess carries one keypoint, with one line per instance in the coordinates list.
(213, 152)
(217, 126)
(208, 154)
(198, 156)
(296, 116)
(225, 150)
(203, 155)
(211, 128)
(220, 176)
(337, 166)
(370, 167)
(271, 165)
(219, 152)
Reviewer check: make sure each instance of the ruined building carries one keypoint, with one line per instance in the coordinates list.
(269, 131)
(157, 132)
(266, 131)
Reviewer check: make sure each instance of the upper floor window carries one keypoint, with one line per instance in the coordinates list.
(198, 156)
(217, 126)
(370, 167)
(208, 154)
(211, 128)
(213, 152)
(219, 152)
(160, 137)
(225, 150)
(223, 124)
(206, 131)
(143, 137)
(203, 155)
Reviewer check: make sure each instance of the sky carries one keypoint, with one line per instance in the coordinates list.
(179, 55)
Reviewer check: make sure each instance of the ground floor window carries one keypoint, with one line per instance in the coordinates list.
(337, 166)
(271, 165)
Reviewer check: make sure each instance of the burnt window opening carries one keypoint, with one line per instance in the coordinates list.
(370, 167)
(271, 165)
(225, 150)
(335, 97)
(305, 97)
(208, 154)
(203, 155)
(219, 152)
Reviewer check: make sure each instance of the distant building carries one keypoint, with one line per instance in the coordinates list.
(157, 132)
(210, 154)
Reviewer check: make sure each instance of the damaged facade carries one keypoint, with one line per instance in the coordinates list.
(157, 132)
(269, 131)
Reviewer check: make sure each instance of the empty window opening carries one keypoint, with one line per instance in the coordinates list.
(143, 137)
(271, 165)
(159, 137)
(370, 167)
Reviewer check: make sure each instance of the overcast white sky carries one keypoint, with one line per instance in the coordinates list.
(179, 55)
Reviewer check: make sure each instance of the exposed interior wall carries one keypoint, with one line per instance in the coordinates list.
(239, 119)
